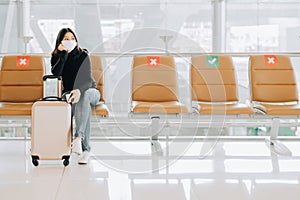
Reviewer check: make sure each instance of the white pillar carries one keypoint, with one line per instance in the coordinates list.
(219, 25)
(26, 18)
(26, 23)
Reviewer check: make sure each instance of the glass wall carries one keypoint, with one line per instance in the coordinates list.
(262, 26)
(111, 26)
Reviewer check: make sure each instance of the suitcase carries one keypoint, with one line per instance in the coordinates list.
(51, 130)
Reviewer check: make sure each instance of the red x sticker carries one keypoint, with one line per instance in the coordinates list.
(22, 62)
(271, 60)
(153, 61)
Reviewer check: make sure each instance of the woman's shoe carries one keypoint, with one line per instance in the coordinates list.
(84, 158)
(76, 146)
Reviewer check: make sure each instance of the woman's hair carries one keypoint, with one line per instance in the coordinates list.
(60, 37)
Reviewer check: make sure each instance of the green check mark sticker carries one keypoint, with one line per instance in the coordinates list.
(212, 61)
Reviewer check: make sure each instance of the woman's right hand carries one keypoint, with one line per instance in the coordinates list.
(62, 47)
(74, 96)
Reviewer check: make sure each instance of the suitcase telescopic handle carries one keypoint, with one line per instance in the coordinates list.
(51, 98)
(51, 77)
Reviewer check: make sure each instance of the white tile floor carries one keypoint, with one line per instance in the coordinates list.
(123, 170)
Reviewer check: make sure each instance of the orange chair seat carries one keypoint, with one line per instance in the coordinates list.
(271, 109)
(170, 107)
(231, 109)
(101, 109)
(15, 109)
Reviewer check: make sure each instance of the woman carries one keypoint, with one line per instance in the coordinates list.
(73, 64)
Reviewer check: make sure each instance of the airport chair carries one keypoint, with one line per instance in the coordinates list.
(21, 83)
(274, 91)
(154, 89)
(97, 70)
(214, 87)
(154, 86)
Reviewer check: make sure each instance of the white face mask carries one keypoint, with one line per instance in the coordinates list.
(69, 44)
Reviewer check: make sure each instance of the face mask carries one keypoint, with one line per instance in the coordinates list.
(69, 44)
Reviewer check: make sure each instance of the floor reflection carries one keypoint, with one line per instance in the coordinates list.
(230, 170)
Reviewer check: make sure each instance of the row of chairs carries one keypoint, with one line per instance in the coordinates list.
(154, 88)
(214, 90)
(21, 83)
(154, 85)
(214, 87)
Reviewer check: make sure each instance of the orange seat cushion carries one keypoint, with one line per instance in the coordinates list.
(170, 107)
(230, 109)
(271, 109)
(15, 109)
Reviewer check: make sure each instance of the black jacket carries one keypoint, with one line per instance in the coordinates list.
(75, 69)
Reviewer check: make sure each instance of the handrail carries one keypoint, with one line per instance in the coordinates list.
(183, 54)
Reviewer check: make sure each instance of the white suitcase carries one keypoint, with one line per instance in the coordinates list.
(51, 130)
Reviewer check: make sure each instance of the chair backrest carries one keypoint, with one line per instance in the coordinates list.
(272, 79)
(98, 73)
(213, 79)
(21, 78)
(154, 79)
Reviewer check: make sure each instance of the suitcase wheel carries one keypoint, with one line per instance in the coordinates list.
(35, 160)
(66, 162)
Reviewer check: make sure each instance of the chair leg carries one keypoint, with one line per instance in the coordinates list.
(274, 129)
(155, 145)
(273, 143)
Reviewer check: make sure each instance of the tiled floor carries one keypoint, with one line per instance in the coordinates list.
(123, 170)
